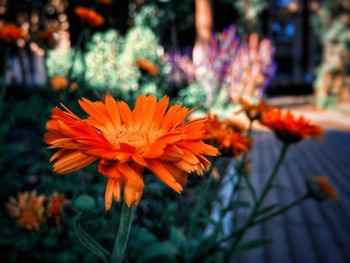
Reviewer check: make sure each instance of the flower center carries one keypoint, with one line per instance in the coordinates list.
(28, 217)
(140, 139)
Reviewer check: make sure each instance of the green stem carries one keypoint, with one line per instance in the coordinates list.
(123, 234)
(202, 197)
(3, 80)
(250, 187)
(250, 128)
(255, 222)
(259, 202)
(282, 210)
(273, 175)
(203, 192)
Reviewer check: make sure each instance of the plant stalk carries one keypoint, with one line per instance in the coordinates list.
(259, 202)
(123, 234)
(282, 210)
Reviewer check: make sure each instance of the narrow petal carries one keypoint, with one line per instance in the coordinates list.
(109, 193)
(117, 189)
(163, 174)
(72, 162)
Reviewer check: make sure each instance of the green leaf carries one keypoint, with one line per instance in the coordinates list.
(205, 245)
(177, 238)
(88, 242)
(253, 244)
(161, 249)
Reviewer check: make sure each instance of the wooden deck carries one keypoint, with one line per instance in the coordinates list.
(313, 232)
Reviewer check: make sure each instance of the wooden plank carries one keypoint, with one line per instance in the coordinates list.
(330, 211)
(250, 256)
(321, 232)
(312, 232)
(279, 250)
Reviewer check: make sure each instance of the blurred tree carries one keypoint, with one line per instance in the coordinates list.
(331, 22)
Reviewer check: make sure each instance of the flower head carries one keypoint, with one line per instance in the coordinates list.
(320, 188)
(147, 66)
(253, 111)
(54, 207)
(28, 209)
(125, 142)
(105, 2)
(89, 16)
(10, 32)
(59, 82)
(47, 36)
(290, 128)
(225, 135)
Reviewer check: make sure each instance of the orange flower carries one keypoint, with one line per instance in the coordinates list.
(320, 188)
(28, 209)
(253, 111)
(47, 36)
(224, 135)
(105, 2)
(54, 207)
(235, 144)
(147, 66)
(89, 16)
(10, 32)
(59, 82)
(290, 128)
(236, 125)
(125, 142)
(327, 189)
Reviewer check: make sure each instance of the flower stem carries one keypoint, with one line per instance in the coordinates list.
(283, 209)
(273, 175)
(202, 195)
(258, 203)
(123, 234)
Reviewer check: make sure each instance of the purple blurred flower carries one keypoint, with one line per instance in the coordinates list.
(181, 68)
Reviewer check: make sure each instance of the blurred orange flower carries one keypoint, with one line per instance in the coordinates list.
(47, 36)
(89, 16)
(235, 144)
(59, 82)
(253, 111)
(125, 142)
(106, 2)
(225, 135)
(28, 209)
(147, 66)
(9, 32)
(327, 189)
(290, 128)
(54, 207)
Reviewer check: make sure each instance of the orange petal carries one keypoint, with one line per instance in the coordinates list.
(113, 111)
(130, 177)
(131, 196)
(139, 159)
(109, 193)
(172, 153)
(160, 111)
(163, 174)
(117, 189)
(125, 113)
(72, 162)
